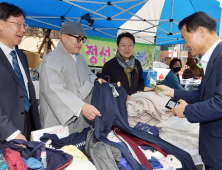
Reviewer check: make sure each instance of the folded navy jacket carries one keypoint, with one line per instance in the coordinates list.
(56, 159)
(77, 139)
(114, 113)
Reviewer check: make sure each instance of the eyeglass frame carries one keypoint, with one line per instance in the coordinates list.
(20, 27)
(81, 39)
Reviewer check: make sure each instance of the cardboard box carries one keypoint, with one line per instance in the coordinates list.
(33, 59)
(59, 130)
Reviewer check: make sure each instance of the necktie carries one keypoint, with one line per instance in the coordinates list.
(20, 77)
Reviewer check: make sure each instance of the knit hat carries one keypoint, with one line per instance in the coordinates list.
(73, 28)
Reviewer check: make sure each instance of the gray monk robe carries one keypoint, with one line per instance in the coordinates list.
(66, 84)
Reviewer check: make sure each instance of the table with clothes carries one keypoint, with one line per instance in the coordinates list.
(114, 117)
(112, 144)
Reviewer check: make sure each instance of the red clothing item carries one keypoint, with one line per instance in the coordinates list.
(14, 160)
(132, 143)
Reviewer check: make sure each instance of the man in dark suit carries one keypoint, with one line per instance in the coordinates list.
(199, 32)
(18, 107)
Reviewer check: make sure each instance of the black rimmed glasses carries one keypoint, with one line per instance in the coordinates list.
(79, 39)
(19, 25)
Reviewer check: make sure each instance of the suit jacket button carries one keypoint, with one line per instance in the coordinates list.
(21, 96)
(22, 113)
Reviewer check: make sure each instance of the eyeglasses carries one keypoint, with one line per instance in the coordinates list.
(79, 39)
(19, 25)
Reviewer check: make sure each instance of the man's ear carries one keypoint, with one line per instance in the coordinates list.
(63, 37)
(1, 24)
(201, 31)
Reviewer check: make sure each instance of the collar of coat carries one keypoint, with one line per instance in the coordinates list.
(63, 50)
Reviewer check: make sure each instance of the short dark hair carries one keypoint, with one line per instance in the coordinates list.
(125, 34)
(7, 10)
(173, 61)
(198, 19)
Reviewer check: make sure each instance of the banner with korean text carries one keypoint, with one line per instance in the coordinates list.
(98, 51)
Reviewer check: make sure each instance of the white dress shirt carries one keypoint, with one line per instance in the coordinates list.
(7, 51)
(206, 57)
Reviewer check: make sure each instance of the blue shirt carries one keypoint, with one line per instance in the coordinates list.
(173, 81)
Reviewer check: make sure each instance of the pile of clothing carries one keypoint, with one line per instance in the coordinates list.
(180, 132)
(111, 145)
(147, 107)
(129, 141)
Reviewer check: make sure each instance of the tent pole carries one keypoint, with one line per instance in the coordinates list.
(175, 22)
(118, 19)
(177, 32)
(95, 2)
(171, 38)
(46, 41)
(45, 48)
(115, 19)
(122, 1)
(171, 17)
(128, 9)
(42, 22)
(163, 42)
(220, 32)
(40, 48)
(152, 27)
(93, 12)
(141, 18)
(181, 51)
(157, 25)
(42, 17)
(142, 31)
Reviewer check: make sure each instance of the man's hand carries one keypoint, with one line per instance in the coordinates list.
(128, 97)
(100, 80)
(166, 90)
(179, 109)
(21, 136)
(104, 81)
(90, 112)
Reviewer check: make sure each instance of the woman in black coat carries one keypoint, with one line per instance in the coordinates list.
(124, 67)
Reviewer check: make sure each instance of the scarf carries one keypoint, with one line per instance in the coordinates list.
(127, 66)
